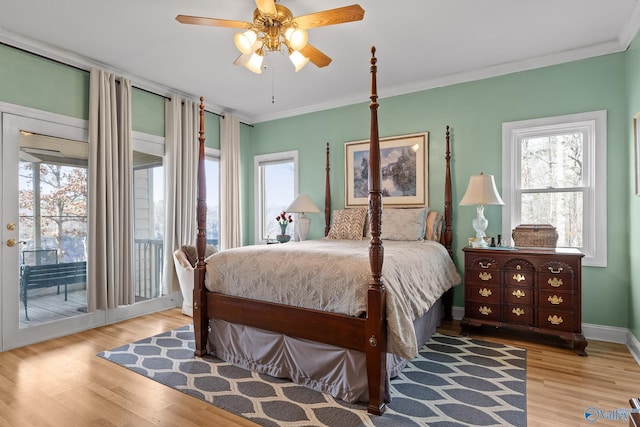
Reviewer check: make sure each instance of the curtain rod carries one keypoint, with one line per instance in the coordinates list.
(87, 71)
(166, 97)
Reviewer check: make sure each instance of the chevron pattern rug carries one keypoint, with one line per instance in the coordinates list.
(454, 381)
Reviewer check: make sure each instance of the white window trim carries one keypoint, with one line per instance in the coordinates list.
(595, 156)
(148, 143)
(257, 184)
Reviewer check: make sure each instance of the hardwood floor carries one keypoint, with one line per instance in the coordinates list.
(63, 383)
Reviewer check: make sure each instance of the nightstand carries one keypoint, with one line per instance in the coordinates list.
(531, 289)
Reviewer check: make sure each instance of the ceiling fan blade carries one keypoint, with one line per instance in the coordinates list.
(266, 7)
(242, 59)
(339, 15)
(213, 22)
(318, 58)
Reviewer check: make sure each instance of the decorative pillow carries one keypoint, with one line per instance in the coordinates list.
(347, 224)
(434, 226)
(403, 224)
(192, 256)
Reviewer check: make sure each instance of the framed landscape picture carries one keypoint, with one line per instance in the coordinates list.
(403, 162)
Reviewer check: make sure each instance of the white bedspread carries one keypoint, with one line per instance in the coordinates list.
(333, 275)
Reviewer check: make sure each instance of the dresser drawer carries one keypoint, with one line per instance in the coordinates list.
(556, 282)
(519, 272)
(484, 294)
(481, 263)
(518, 295)
(555, 300)
(560, 320)
(520, 314)
(485, 277)
(484, 311)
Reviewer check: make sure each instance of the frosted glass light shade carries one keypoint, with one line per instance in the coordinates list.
(297, 38)
(244, 41)
(255, 63)
(298, 60)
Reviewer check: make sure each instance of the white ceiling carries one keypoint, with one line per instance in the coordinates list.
(420, 44)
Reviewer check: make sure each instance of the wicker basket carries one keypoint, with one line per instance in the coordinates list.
(535, 235)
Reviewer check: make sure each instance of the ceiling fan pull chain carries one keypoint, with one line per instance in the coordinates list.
(273, 85)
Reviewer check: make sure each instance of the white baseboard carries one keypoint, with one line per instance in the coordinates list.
(594, 332)
(634, 346)
(605, 333)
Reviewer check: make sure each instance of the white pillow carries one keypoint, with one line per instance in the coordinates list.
(403, 224)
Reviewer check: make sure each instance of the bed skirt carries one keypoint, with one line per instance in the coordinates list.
(329, 369)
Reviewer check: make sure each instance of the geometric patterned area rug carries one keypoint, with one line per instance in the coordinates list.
(454, 381)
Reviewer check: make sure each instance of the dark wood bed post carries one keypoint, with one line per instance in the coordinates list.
(447, 236)
(200, 318)
(376, 325)
(327, 196)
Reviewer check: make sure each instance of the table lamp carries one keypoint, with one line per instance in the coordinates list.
(481, 191)
(300, 205)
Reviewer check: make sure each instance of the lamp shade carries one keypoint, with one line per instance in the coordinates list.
(481, 191)
(302, 204)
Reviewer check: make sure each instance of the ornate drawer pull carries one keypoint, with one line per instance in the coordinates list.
(518, 311)
(555, 282)
(555, 300)
(485, 311)
(484, 264)
(555, 271)
(485, 292)
(485, 276)
(518, 294)
(519, 277)
(555, 320)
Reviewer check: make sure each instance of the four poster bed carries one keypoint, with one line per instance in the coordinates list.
(346, 325)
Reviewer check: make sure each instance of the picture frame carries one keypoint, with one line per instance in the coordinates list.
(404, 166)
(636, 145)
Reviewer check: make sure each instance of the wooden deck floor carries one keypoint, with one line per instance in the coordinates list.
(51, 307)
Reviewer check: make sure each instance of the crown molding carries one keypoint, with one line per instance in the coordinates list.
(464, 77)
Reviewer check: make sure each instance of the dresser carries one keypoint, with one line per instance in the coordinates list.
(537, 290)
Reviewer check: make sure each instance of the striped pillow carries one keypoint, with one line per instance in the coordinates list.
(347, 224)
(434, 226)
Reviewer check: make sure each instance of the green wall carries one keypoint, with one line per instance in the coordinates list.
(475, 111)
(36, 82)
(633, 96)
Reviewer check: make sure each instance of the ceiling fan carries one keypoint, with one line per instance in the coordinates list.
(275, 29)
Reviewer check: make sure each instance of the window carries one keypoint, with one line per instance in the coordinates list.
(148, 207)
(554, 172)
(276, 184)
(212, 171)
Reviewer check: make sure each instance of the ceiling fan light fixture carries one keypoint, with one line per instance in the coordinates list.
(298, 60)
(297, 38)
(244, 41)
(254, 64)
